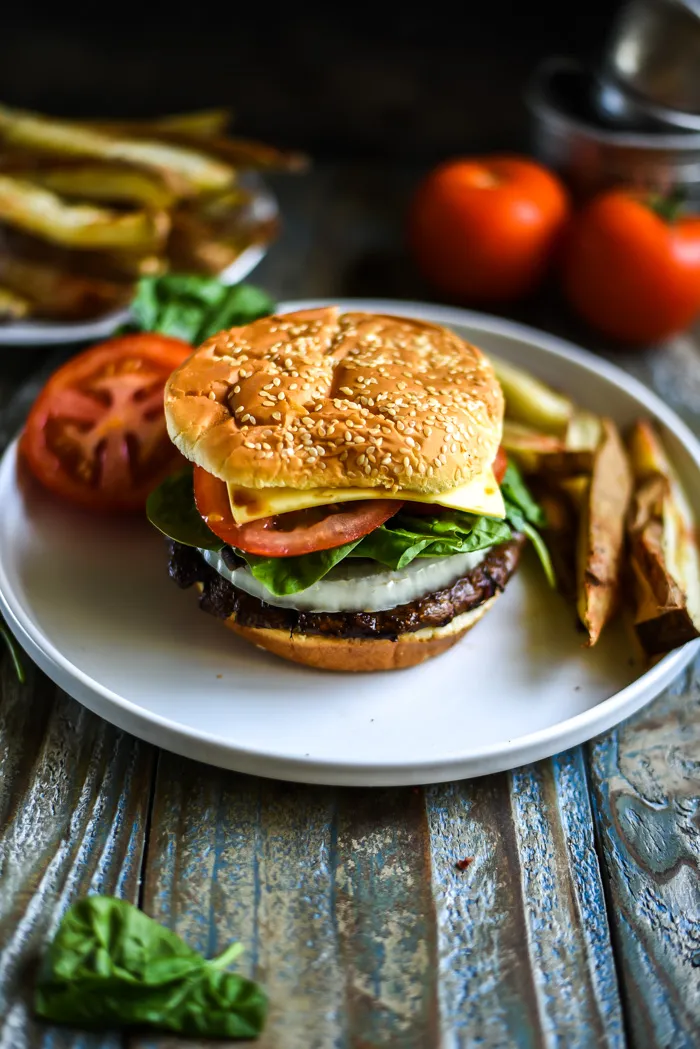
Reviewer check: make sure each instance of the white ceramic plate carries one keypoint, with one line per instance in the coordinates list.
(92, 604)
(38, 333)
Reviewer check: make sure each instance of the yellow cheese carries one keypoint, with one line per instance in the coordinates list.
(480, 496)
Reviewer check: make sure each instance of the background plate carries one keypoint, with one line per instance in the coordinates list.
(54, 333)
(91, 602)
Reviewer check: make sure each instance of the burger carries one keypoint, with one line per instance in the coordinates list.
(350, 507)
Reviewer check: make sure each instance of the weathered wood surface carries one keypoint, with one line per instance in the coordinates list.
(349, 903)
(365, 932)
(74, 795)
(646, 790)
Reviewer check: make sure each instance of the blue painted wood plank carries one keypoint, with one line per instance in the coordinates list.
(74, 796)
(328, 890)
(525, 959)
(646, 790)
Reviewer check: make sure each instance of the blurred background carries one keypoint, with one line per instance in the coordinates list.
(413, 84)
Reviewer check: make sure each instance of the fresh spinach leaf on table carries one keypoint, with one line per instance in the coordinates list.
(110, 965)
(192, 307)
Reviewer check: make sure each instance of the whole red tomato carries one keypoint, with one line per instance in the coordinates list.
(483, 228)
(631, 266)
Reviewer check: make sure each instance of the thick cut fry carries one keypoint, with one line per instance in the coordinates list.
(13, 306)
(664, 551)
(56, 293)
(602, 533)
(543, 453)
(31, 132)
(29, 207)
(584, 432)
(202, 123)
(111, 182)
(527, 446)
(531, 402)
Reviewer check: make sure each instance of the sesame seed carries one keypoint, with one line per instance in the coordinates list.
(281, 396)
(277, 416)
(236, 388)
(212, 396)
(293, 386)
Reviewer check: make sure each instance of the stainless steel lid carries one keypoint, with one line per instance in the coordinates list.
(651, 64)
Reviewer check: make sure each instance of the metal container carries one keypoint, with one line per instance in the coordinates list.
(568, 136)
(652, 61)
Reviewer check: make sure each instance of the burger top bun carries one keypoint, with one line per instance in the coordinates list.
(320, 399)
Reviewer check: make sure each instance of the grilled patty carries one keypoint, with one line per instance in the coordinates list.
(223, 599)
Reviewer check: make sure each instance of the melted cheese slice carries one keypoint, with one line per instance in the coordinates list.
(480, 496)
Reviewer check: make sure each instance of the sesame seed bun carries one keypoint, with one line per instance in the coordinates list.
(362, 654)
(319, 399)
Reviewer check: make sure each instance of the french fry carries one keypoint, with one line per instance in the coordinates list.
(54, 292)
(202, 123)
(663, 548)
(543, 453)
(112, 182)
(584, 432)
(13, 306)
(33, 133)
(31, 208)
(531, 402)
(599, 555)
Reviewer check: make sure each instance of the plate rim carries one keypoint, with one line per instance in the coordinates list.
(39, 334)
(542, 743)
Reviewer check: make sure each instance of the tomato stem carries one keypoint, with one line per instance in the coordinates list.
(668, 206)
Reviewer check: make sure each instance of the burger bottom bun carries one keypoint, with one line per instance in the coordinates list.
(362, 654)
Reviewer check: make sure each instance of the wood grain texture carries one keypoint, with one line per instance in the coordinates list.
(525, 957)
(73, 800)
(328, 890)
(646, 790)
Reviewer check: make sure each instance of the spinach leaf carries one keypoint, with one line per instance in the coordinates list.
(192, 307)
(289, 575)
(524, 515)
(394, 544)
(515, 493)
(111, 965)
(170, 508)
(13, 649)
(403, 538)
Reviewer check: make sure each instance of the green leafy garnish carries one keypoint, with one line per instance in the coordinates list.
(170, 508)
(111, 965)
(403, 538)
(524, 515)
(13, 649)
(289, 575)
(395, 544)
(515, 494)
(192, 307)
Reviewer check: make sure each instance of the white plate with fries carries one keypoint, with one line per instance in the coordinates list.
(92, 604)
(87, 208)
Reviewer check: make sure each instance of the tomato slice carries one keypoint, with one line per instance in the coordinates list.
(291, 534)
(96, 433)
(500, 464)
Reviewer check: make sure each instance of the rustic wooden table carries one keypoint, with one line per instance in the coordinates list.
(577, 923)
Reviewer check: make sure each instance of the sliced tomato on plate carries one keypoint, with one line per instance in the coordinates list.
(291, 534)
(96, 433)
